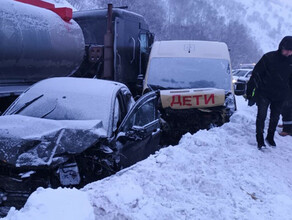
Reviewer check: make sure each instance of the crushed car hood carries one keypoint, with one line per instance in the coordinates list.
(28, 141)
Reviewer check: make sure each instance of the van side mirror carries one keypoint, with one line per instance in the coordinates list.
(239, 88)
(150, 38)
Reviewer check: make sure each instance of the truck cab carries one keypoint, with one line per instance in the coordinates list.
(127, 36)
(195, 83)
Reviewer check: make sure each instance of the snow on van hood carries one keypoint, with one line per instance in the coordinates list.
(192, 98)
(28, 141)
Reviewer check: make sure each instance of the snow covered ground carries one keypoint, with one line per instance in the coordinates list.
(215, 174)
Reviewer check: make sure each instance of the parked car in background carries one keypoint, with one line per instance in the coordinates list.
(72, 131)
(239, 79)
(194, 81)
(242, 74)
(247, 65)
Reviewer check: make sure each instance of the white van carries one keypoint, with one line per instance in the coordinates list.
(195, 83)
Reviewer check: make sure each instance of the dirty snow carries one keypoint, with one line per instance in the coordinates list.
(215, 174)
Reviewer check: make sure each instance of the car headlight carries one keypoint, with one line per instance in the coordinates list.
(234, 80)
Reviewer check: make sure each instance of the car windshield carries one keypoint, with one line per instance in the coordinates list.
(240, 72)
(182, 72)
(63, 104)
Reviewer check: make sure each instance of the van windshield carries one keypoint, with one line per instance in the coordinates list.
(185, 72)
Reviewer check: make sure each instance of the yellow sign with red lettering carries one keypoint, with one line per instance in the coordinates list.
(192, 98)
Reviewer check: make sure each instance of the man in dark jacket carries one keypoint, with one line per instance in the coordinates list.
(271, 79)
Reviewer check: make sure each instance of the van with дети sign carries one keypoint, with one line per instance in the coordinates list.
(194, 79)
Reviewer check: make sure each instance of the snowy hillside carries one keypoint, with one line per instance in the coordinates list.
(268, 21)
(249, 27)
(216, 174)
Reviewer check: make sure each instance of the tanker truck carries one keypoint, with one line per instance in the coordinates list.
(39, 40)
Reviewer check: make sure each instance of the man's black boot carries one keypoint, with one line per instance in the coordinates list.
(260, 140)
(270, 139)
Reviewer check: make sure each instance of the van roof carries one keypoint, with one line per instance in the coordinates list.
(190, 48)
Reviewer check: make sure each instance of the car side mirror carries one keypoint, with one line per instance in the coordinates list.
(138, 129)
(151, 37)
(136, 133)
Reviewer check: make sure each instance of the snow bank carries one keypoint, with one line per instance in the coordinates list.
(48, 204)
(216, 174)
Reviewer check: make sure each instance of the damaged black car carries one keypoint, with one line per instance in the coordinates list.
(70, 132)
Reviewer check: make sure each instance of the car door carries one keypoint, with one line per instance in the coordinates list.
(139, 133)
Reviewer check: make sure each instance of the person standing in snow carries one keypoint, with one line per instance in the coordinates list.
(271, 81)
